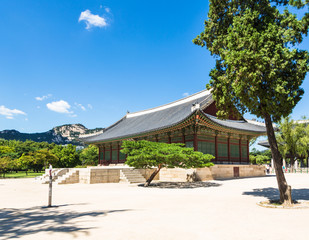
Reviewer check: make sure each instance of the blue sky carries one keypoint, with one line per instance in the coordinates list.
(90, 61)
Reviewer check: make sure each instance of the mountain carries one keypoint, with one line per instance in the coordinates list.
(64, 134)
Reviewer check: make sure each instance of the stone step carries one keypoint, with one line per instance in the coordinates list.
(131, 176)
(71, 177)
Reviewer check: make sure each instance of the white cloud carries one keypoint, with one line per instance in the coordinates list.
(185, 94)
(43, 97)
(89, 106)
(92, 20)
(107, 9)
(59, 106)
(10, 113)
(80, 106)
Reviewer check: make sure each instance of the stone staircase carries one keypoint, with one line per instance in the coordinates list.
(72, 176)
(130, 175)
(56, 173)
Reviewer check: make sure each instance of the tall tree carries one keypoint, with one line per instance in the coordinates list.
(145, 154)
(292, 139)
(89, 156)
(258, 68)
(67, 155)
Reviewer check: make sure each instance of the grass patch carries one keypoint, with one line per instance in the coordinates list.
(22, 174)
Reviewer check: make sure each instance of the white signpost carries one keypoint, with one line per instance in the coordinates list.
(50, 185)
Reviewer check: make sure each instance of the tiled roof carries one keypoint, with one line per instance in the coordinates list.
(165, 116)
(243, 125)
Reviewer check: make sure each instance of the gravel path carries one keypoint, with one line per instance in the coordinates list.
(213, 210)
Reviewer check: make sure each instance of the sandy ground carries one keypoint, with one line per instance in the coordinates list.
(219, 210)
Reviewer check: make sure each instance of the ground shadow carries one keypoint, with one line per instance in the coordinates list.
(19, 222)
(273, 193)
(178, 185)
(238, 178)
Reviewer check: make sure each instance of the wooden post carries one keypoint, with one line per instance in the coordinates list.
(195, 140)
(169, 137)
(228, 149)
(103, 155)
(216, 147)
(248, 160)
(118, 152)
(99, 160)
(111, 153)
(240, 150)
(183, 136)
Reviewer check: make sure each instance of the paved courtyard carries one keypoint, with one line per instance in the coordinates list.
(215, 210)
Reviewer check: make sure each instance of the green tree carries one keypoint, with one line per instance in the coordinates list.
(258, 68)
(67, 155)
(145, 154)
(291, 138)
(305, 142)
(25, 162)
(42, 158)
(89, 156)
(259, 159)
(5, 164)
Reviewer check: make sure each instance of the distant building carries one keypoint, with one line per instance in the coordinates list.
(191, 120)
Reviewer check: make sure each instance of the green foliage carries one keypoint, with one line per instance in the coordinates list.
(67, 155)
(258, 68)
(18, 155)
(5, 164)
(259, 159)
(293, 139)
(89, 156)
(145, 154)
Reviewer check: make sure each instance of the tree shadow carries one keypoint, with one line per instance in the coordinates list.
(273, 193)
(179, 185)
(19, 222)
(239, 178)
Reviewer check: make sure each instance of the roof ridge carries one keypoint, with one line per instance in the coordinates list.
(114, 124)
(171, 104)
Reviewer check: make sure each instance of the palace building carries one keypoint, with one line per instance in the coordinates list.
(191, 120)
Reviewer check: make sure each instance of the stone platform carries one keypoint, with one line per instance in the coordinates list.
(116, 174)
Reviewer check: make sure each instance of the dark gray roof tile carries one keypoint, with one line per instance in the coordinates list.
(163, 117)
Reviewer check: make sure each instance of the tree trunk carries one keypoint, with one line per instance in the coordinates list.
(284, 189)
(292, 162)
(147, 183)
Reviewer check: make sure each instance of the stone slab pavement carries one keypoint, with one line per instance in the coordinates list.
(224, 209)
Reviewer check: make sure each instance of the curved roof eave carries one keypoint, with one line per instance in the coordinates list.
(239, 125)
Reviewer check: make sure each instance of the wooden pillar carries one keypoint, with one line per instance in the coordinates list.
(240, 150)
(157, 138)
(183, 136)
(216, 147)
(169, 137)
(118, 152)
(103, 162)
(248, 160)
(111, 153)
(99, 160)
(228, 149)
(195, 140)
